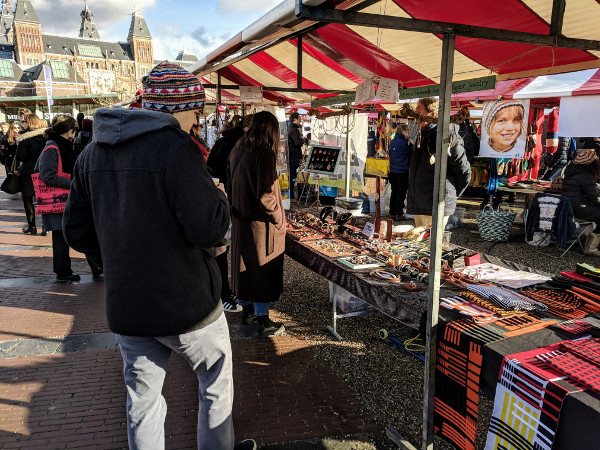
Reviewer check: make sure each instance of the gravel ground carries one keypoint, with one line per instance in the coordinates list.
(388, 380)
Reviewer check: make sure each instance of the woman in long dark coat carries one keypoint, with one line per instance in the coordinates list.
(29, 148)
(258, 222)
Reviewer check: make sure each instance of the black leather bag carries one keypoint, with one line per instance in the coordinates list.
(12, 184)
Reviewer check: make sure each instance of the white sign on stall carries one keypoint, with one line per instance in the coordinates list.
(251, 94)
(579, 116)
(388, 90)
(365, 92)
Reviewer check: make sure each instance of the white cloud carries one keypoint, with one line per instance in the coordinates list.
(236, 6)
(167, 46)
(62, 16)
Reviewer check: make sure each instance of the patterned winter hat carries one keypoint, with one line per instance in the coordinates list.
(585, 157)
(170, 88)
(490, 109)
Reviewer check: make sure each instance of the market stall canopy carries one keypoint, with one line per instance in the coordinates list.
(338, 57)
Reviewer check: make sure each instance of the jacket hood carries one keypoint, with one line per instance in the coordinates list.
(118, 125)
(30, 134)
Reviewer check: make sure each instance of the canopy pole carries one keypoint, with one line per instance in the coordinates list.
(299, 64)
(437, 230)
(348, 158)
(217, 114)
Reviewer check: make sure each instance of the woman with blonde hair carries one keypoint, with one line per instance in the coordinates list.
(258, 222)
(29, 148)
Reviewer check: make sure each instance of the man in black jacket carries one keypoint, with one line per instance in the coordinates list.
(295, 142)
(419, 201)
(142, 195)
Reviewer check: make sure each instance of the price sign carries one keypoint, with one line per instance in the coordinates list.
(365, 92)
(369, 229)
(388, 90)
(251, 94)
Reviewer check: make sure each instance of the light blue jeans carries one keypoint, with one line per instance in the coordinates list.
(260, 309)
(208, 352)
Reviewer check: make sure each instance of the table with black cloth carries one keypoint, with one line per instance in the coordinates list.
(580, 409)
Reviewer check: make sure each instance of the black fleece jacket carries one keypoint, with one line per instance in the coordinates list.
(141, 192)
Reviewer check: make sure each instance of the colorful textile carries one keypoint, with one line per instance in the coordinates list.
(507, 299)
(577, 369)
(170, 88)
(475, 312)
(575, 326)
(588, 349)
(527, 404)
(456, 403)
(482, 301)
(552, 131)
(560, 303)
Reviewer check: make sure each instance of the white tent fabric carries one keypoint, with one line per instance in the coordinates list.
(559, 85)
(580, 116)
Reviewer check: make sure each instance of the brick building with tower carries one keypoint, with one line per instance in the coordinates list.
(87, 71)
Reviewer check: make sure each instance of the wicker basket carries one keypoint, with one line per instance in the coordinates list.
(495, 225)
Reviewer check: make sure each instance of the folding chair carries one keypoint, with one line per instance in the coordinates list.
(563, 203)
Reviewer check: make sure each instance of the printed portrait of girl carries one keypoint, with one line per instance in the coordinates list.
(504, 122)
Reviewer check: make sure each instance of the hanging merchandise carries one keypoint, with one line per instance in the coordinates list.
(493, 183)
(552, 132)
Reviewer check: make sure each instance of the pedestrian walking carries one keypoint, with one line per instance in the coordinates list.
(217, 166)
(29, 148)
(142, 194)
(258, 222)
(59, 150)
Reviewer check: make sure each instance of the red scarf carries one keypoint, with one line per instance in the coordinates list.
(204, 151)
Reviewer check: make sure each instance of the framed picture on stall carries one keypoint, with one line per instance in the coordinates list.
(323, 159)
(504, 129)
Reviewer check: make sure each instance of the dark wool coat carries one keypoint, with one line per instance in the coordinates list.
(29, 149)
(421, 175)
(580, 187)
(219, 154)
(142, 194)
(258, 225)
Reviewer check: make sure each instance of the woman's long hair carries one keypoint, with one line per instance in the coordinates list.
(33, 122)
(9, 136)
(263, 132)
(594, 169)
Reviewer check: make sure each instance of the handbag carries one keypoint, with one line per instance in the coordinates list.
(50, 199)
(12, 184)
(495, 225)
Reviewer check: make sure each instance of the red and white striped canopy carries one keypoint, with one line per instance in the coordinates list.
(339, 57)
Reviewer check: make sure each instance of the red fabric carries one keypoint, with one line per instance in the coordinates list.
(322, 58)
(369, 56)
(573, 275)
(551, 131)
(537, 116)
(241, 79)
(592, 87)
(507, 15)
(204, 151)
(271, 65)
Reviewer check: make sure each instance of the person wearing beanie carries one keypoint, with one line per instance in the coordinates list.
(142, 195)
(503, 121)
(295, 143)
(579, 185)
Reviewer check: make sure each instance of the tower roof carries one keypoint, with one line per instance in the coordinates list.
(6, 17)
(88, 27)
(25, 12)
(138, 27)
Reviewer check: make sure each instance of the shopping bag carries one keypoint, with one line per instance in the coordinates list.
(495, 225)
(11, 184)
(50, 199)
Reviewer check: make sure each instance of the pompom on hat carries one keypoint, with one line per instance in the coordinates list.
(170, 88)
(490, 110)
(585, 157)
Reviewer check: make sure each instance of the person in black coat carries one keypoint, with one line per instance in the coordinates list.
(295, 142)
(422, 169)
(553, 163)
(217, 166)
(579, 185)
(29, 148)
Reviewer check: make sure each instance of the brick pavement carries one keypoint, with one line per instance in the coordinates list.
(72, 400)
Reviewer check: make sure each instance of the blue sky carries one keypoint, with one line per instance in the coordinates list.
(194, 26)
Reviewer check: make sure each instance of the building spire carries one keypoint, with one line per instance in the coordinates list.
(88, 28)
(138, 27)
